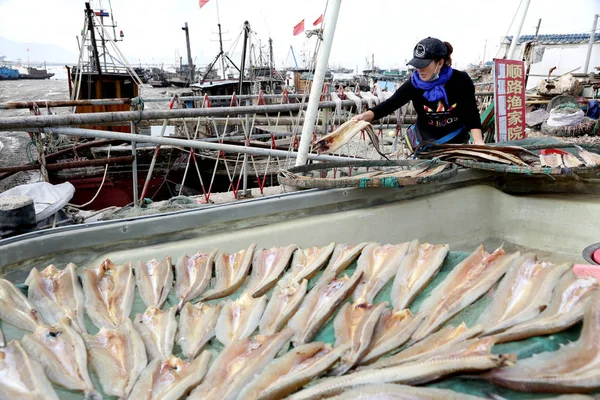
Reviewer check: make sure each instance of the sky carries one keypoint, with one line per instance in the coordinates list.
(387, 29)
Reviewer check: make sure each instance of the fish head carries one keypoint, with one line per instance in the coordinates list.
(196, 261)
(234, 260)
(335, 285)
(393, 317)
(288, 289)
(107, 267)
(151, 266)
(578, 291)
(488, 258)
(170, 370)
(50, 272)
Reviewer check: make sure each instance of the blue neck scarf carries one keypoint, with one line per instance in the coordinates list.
(434, 90)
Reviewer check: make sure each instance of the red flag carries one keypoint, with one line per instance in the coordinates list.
(298, 29)
(318, 21)
(202, 3)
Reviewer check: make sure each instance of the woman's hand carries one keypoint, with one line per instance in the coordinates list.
(366, 116)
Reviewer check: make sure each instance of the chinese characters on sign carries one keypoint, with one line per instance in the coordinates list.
(509, 98)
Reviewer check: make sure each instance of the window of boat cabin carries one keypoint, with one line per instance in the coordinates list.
(127, 89)
(88, 90)
(109, 89)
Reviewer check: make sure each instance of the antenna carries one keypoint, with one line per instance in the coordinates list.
(222, 56)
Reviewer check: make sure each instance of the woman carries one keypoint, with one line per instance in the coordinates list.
(444, 99)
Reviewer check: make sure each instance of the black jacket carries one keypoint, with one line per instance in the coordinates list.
(435, 120)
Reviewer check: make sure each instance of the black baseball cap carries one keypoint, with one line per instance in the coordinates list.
(426, 51)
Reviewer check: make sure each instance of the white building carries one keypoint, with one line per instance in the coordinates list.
(565, 52)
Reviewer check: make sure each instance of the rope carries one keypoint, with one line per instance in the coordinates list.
(138, 103)
(99, 189)
(30, 156)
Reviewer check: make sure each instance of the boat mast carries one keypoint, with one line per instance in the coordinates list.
(189, 53)
(93, 37)
(315, 91)
(246, 36)
(221, 52)
(271, 63)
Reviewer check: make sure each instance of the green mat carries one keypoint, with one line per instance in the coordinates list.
(477, 387)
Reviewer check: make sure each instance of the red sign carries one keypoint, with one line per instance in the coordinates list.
(509, 99)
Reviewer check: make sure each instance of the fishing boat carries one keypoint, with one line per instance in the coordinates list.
(35, 73)
(96, 78)
(7, 73)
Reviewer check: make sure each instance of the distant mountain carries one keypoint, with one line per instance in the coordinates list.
(38, 53)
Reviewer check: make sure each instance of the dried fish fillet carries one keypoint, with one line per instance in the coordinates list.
(238, 364)
(197, 324)
(307, 262)
(267, 267)
(342, 135)
(343, 255)
(476, 358)
(239, 318)
(171, 379)
(118, 357)
(392, 331)
(22, 377)
(485, 156)
(62, 353)
(230, 271)
(552, 160)
(109, 291)
(354, 325)
(588, 157)
(390, 391)
(379, 264)
(57, 294)
(292, 371)
(523, 293)
(566, 308)
(572, 368)
(16, 309)
(158, 329)
(193, 276)
(433, 170)
(570, 161)
(320, 303)
(154, 280)
(438, 342)
(421, 263)
(284, 303)
(467, 282)
(2, 339)
(460, 349)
